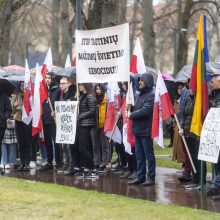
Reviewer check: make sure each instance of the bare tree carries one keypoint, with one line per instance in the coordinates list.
(149, 35)
(10, 11)
(55, 31)
(66, 31)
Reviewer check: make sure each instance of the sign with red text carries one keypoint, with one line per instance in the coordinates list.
(102, 55)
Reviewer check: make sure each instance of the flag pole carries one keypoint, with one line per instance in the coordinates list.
(185, 144)
(78, 27)
(113, 130)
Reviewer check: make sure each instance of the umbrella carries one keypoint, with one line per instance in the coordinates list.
(67, 72)
(213, 68)
(185, 73)
(167, 77)
(55, 69)
(14, 70)
(6, 86)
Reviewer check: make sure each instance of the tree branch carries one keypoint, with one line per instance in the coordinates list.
(165, 15)
(207, 11)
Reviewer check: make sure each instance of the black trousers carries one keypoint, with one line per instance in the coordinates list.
(132, 163)
(82, 149)
(193, 144)
(2, 134)
(24, 137)
(122, 157)
(50, 142)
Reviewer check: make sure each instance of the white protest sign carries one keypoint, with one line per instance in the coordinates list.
(66, 121)
(102, 55)
(210, 137)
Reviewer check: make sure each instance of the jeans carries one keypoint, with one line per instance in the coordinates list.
(50, 143)
(8, 154)
(101, 147)
(144, 150)
(67, 155)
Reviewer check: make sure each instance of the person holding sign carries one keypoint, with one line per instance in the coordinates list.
(82, 150)
(214, 102)
(66, 95)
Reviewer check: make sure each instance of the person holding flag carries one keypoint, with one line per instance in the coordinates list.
(23, 131)
(49, 126)
(141, 115)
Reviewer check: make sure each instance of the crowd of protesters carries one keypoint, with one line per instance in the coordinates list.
(92, 152)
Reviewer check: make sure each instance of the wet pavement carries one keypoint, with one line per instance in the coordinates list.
(167, 190)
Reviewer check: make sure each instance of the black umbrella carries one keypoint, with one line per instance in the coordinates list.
(67, 72)
(6, 86)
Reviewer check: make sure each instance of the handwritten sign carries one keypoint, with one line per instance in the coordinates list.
(102, 54)
(210, 137)
(66, 121)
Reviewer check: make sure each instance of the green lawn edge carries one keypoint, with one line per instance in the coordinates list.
(22, 199)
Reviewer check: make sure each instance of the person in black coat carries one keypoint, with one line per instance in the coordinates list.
(214, 102)
(82, 152)
(49, 125)
(5, 112)
(142, 115)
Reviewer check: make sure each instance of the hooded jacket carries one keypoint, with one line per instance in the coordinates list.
(5, 110)
(53, 92)
(142, 113)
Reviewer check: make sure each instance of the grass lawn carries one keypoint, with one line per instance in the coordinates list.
(20, 199)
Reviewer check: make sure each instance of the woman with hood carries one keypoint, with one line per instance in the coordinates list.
(23, 131)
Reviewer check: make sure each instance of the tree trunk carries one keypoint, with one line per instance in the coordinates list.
(149, 35)
(94, 14)
(113, 13)
(182, 50)
(55, 32)
(133, 27)
(66, 30)
(5, 29)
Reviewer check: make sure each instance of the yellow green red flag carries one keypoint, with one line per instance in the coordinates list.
(198, 83)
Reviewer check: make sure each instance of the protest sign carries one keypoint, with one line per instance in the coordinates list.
(66, 121)
(210, 137)
(102, 55)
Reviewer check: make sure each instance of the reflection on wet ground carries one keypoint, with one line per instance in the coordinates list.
(167, 190)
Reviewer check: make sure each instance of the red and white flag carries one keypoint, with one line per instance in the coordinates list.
(74, 62)
(163, 109)
(128, 137)
(137, 60)
(48, 63)
(68, 61)
(27, 113)
(114, 105)
(40, 95)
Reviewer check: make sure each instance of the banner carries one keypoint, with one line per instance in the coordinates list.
(66, 121)
(102, 55)
(210, 137)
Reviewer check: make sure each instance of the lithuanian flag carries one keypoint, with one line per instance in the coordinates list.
(198, 83)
